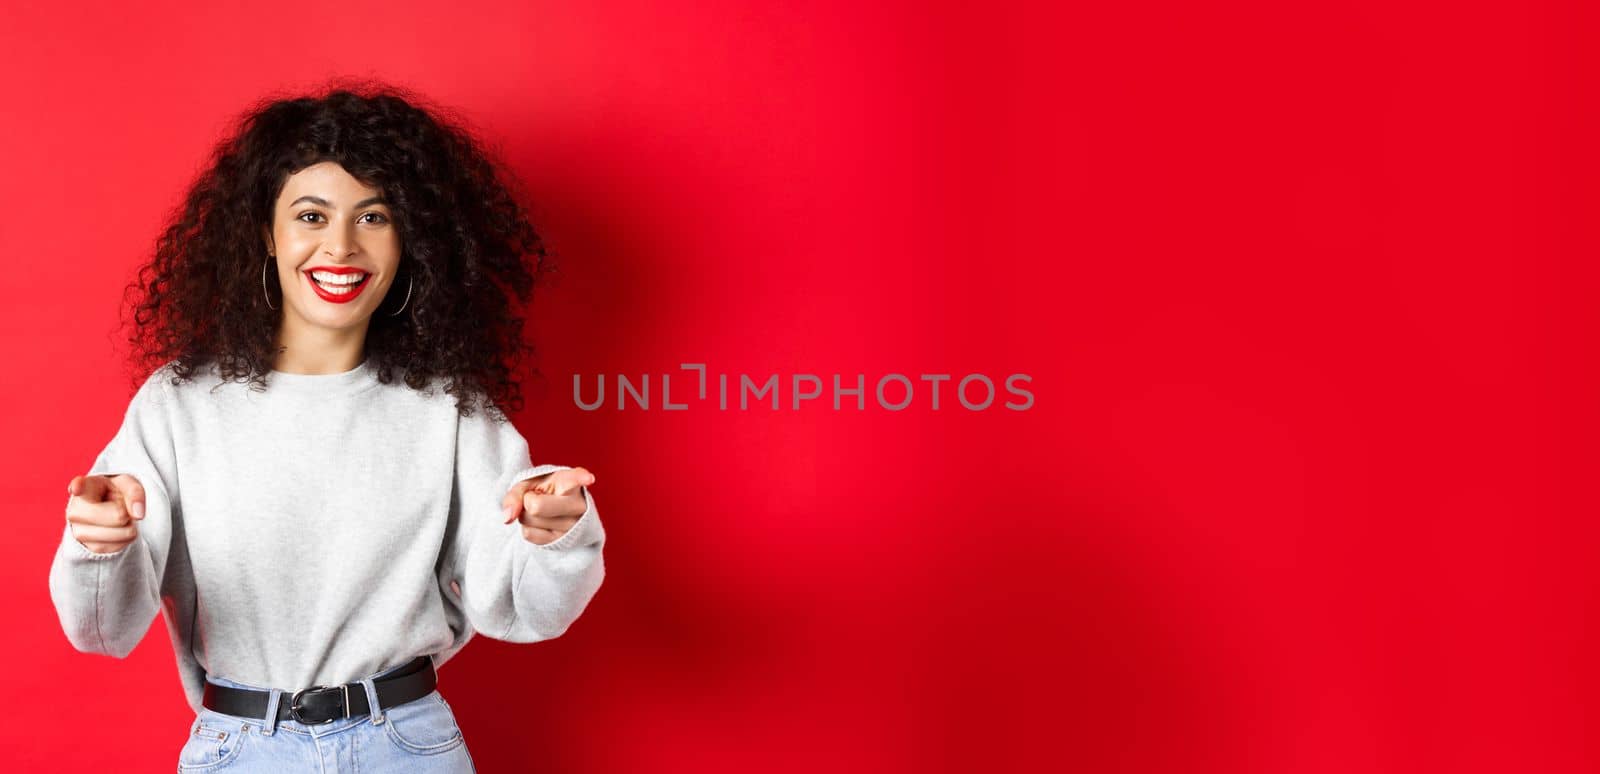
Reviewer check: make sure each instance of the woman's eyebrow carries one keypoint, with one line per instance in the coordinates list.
(324, 202)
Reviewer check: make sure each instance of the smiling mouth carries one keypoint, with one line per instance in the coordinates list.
(337, 292)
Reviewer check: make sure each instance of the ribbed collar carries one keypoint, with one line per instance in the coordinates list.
(343, 383)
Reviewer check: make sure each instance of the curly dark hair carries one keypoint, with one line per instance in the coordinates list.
(466, 242)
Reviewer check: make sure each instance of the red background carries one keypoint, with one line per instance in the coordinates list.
(1299, 290)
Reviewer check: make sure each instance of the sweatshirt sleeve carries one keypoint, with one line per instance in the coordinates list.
(510, 588)
(106, 602)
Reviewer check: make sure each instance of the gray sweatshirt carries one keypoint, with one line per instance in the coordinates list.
(316, 532)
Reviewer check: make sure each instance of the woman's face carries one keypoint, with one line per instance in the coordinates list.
(326, 227)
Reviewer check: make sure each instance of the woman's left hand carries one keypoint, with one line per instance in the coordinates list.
(548, 505)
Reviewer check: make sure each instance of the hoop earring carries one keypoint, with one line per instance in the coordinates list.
(409, 283)
(264, 294)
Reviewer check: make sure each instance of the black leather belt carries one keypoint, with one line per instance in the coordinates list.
(326, 703)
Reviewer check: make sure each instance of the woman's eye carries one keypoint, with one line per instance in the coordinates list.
(377, 217)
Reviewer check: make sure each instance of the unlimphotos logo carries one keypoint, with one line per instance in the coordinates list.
(893, 392)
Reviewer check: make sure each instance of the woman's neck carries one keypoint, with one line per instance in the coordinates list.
(317, 360)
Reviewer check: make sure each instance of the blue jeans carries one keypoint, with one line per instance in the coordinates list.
(417, 737)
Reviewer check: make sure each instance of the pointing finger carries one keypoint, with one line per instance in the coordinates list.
(522, 500)
(91, 488)
(566, 482)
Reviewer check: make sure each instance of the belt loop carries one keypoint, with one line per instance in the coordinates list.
(372, 700)
(272, 712)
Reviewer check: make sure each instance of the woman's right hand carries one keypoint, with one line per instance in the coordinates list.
(103, 511)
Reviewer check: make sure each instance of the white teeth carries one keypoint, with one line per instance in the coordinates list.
(329, 278)
(340, 290)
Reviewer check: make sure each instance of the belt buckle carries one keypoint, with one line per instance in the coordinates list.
(295, 704)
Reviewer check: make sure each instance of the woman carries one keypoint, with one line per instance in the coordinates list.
(317, 483)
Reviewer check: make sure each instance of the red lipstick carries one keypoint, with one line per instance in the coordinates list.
(337, 297)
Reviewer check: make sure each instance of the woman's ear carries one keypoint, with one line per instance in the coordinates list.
(266, 236)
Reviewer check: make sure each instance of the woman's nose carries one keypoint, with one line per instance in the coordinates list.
(340, 243)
